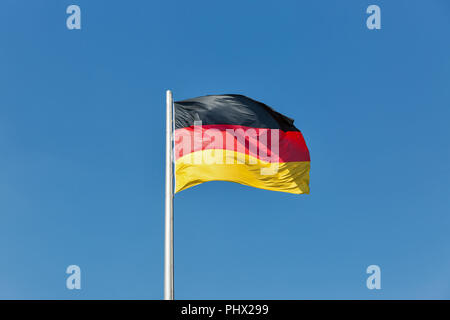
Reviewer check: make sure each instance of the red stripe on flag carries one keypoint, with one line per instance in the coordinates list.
(257, 142)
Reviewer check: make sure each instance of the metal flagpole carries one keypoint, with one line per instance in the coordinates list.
(168, 241)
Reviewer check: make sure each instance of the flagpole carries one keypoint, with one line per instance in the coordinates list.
(168, 240)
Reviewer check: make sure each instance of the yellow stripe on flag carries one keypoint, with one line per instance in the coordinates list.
(214, 164)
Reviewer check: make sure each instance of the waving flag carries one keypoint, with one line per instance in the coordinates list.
(235, 138)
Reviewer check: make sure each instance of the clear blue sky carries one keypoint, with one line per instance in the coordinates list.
(82, 149)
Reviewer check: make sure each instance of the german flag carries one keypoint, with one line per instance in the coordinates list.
(234, 138)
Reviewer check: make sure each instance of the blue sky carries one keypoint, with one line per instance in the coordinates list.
(82, 149)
